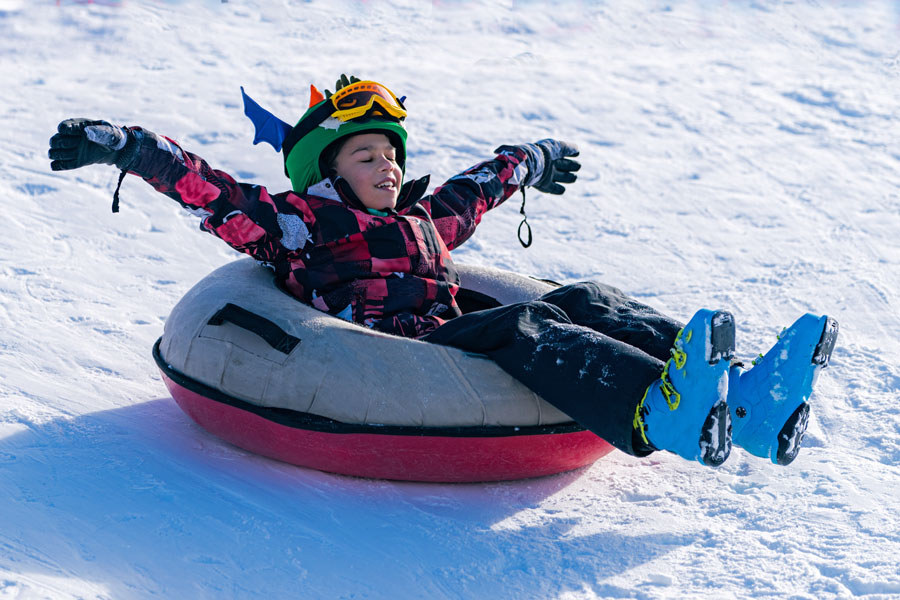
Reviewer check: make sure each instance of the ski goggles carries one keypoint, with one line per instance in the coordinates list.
(366, 99)
(360, 101)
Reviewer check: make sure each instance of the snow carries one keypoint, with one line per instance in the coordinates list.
(737, 155)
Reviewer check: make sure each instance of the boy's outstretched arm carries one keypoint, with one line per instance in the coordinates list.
(458, 205)
(242, 215)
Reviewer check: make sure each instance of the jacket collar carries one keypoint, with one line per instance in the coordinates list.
(411, 192)
(324, 189)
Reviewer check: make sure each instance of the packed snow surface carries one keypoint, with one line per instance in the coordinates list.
(737, 155)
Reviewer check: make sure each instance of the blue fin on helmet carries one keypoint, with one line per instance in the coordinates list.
(269, 128)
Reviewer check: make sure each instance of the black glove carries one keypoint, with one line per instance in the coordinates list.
(557, 168)
(81, 142)
(548, 167)
(343, 82)
(547, 164)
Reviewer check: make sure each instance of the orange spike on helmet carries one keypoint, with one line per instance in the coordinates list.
(315, 96)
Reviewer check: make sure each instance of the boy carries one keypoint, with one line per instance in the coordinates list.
(354, 240)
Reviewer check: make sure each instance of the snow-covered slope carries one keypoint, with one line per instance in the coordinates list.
(736, 155)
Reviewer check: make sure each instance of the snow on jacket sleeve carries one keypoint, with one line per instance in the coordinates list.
(245, 216)
(457, 206)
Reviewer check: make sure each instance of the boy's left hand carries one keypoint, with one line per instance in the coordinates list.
(557, 168)
(548, 165)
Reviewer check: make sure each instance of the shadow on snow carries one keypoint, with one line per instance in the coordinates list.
(141, 500)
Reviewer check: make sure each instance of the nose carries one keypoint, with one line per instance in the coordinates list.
(384, 163)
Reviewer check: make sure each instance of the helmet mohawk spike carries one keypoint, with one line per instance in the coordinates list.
(315, 96)
(269, 128)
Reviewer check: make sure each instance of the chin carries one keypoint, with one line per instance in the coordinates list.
(382, 204)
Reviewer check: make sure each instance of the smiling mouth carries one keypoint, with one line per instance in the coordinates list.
(385, 185)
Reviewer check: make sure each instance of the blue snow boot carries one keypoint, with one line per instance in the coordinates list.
(768, 402)
(685, 410)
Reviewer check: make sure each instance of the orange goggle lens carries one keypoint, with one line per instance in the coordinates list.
(366, 98)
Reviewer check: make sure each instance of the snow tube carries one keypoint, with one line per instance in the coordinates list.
(265, 372)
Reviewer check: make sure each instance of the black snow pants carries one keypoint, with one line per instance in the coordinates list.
(587, 349)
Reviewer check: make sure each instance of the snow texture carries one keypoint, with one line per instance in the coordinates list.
(737, 155)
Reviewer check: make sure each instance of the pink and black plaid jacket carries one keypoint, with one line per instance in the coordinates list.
(392, 273)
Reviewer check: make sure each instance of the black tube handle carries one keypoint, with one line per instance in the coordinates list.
(274, 335)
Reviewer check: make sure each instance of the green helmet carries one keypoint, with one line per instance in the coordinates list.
(302, 162)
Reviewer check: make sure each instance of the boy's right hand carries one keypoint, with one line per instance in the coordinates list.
(80, 142)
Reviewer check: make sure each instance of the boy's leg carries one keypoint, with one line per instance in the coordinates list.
(697, 357)
(593, 378)
(608, 310)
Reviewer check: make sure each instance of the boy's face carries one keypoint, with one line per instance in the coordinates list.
(368, 162)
